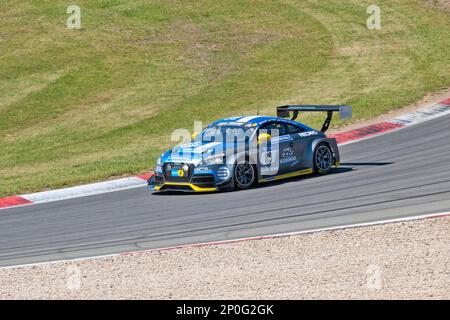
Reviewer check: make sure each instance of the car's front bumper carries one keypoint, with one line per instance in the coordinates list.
(205, 180)
(183, 187)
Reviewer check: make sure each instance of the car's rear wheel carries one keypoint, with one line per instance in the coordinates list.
(323, 159)
(244, 175)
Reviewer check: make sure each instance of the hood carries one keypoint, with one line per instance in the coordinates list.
(192, 152)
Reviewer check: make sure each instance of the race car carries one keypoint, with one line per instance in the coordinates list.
(239, 152)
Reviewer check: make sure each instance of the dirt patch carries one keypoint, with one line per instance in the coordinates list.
(409, 260)
(439, 4)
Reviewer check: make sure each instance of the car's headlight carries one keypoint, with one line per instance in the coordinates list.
(159, 162)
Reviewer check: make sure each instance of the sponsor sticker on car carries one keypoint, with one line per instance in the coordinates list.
(287, 155)
(177, 173)
(308, 134)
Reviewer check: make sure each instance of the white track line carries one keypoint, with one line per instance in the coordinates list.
(81, 191)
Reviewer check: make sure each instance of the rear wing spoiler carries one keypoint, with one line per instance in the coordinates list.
(345, 112)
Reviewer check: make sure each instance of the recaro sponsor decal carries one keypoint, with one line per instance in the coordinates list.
(308, 134)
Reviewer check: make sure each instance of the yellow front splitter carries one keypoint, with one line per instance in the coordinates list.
(192, 186)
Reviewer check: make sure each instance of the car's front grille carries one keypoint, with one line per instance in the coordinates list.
(177, 172)
(176, 187)
(204, 178)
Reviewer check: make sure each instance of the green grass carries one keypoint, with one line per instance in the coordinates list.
(83, 105)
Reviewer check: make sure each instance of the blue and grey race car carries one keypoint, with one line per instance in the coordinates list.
(239, 152)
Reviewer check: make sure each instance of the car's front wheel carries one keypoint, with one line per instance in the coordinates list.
(244, 175)
(323, 159)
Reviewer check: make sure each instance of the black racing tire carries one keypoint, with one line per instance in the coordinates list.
(244, 175)
(323, 158)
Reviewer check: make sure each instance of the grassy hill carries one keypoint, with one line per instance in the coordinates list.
(84, 105)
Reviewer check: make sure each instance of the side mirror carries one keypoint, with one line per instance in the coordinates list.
(263, 137)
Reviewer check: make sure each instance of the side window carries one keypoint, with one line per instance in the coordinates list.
(267, 127)
(294, 129)
(282, 128)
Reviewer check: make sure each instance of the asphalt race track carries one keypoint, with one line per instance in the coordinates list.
(403, 173)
